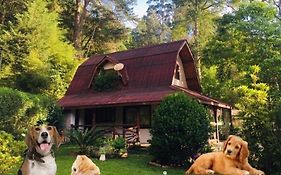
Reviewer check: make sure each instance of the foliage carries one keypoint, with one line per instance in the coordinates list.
(19, 111)
(35, 57)
(106, 81)
(179, 130)
(262, 131)
(96, 26)
(85, 138)
(10, 152)
(119, 143)
(245, 38)
(150, 31)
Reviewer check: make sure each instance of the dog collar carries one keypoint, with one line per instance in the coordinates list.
(33, 155)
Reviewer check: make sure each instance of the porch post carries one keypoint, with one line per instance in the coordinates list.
(94, 119)
(138, 125)
(217, 123)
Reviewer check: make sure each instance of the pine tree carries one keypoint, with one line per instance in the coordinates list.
(40, 60)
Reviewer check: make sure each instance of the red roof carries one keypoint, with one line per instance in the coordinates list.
(149, 74)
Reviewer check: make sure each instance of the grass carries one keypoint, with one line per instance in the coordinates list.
(136, 163)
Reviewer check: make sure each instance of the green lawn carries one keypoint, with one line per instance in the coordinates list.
(135, 164)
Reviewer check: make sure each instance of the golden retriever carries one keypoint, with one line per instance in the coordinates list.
(84, 166)
(233, 160)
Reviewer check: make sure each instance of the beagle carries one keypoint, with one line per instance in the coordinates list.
(39, 159)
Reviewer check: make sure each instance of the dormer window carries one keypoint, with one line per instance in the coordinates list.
(109, 75)
(106, 80)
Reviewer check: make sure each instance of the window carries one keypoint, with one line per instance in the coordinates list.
(132, 114)
(177, 73)
(145, 117)
(105, 115)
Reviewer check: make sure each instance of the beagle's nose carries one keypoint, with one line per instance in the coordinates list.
(44, 135)
(229, 151)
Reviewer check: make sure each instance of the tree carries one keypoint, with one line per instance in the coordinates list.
(8, 9)
(91, 23)
(164, 10)
(195, 20)
(35, 56)
(180, 128)
(150, 31)
(250, 36)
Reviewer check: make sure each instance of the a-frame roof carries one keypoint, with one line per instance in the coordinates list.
(149, 72)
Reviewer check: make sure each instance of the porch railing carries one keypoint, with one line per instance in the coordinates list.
(127, 131)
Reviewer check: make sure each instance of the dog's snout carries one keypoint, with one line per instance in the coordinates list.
(44, 135)
(229, 151)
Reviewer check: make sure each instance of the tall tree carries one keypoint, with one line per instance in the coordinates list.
(164, 10)
(150, 31)
(37, 58)
(84, 19)
(250, 36)
(194, 19)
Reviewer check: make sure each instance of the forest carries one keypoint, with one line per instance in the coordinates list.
(236, 46)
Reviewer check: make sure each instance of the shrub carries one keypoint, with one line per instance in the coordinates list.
(262, 130)
(84, 139)
(180, 128)
(10, 152)
(19, 110)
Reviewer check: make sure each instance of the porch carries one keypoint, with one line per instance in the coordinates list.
(133, 122)
(130, 122)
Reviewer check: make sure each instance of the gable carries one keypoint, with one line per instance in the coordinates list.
(179, 78)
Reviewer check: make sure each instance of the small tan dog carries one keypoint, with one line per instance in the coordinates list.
(84, 166)
(232, 161)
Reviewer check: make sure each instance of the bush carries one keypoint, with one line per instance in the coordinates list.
(180, 128)
(10, 152)
(19, 111)
(262, 131)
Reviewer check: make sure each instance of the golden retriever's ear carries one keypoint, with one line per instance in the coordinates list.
(58, 139)
(30, 138)
(225, 143)
(244, 151)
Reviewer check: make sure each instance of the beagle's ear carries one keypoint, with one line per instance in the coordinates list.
(244, 151)
(58, 139)
(30, 138)
(225, 143)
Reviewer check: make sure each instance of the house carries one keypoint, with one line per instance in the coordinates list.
(145, 76)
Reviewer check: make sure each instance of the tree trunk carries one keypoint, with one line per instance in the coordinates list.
(196, 41)
(80, 15)
(279, 8)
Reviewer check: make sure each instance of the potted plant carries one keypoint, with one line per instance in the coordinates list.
(102, 152)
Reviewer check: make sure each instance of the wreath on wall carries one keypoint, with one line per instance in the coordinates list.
(106, 80)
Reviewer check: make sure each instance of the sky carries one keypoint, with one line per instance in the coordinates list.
(141, 8)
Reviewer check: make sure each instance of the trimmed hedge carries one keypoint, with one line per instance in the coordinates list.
(180, 128)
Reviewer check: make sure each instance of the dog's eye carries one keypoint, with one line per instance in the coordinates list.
(37, 129)
(49, 128)
(229, 143)
(236, 147)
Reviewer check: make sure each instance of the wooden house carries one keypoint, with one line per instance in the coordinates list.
(146, 75)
